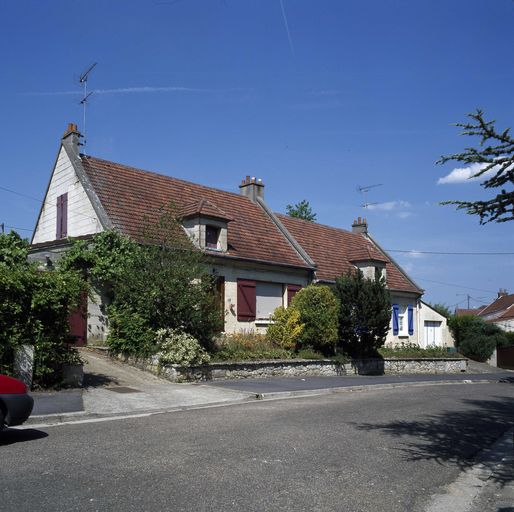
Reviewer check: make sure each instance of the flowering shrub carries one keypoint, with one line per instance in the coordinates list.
(176, 347)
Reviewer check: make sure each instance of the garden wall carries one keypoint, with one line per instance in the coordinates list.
(297, 368)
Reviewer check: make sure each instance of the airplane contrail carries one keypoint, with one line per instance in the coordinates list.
(286, 25)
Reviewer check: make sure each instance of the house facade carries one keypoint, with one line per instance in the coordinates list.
(261, 258)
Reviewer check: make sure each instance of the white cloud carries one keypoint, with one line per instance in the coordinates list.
(464, 174)
(414, 254)
(404, 215)
(390, 205)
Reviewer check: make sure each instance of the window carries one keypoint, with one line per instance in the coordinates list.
(62, 217)
(211, 237)
(269, 297)
(403, 320)
(257, 300)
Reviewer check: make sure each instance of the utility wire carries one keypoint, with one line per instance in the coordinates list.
(456, 285)
(42, 202)
(447, 253)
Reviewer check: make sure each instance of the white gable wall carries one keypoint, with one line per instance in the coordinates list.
(82, 218)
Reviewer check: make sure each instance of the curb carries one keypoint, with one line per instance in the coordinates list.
(365, 387)
(83, 416)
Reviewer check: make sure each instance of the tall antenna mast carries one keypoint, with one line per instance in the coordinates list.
(364, 191)
(83, 80)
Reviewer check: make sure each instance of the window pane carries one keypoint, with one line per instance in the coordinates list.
(211, 236)
(269, 298)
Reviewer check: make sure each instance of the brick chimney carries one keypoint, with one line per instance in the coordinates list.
(252, 188)
(72, 135)
(360, 226)
(502, 293)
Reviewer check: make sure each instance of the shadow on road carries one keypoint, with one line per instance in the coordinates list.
(12, 436)
(455, 436)
(97, 380)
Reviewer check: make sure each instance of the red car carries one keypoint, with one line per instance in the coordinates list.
(15, 403)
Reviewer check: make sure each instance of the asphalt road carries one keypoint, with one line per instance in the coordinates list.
(281, 384)
(379, 450)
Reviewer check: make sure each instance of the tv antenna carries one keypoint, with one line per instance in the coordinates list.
(364, 189)
(83, 80)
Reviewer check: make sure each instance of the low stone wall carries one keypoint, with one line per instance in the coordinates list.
(297, 368)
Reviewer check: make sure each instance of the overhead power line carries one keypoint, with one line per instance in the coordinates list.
(456, 285)
(21, 194)
(450, 253)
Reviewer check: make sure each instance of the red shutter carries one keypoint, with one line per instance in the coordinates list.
(291, 292)
(64, 225)
(62, 217)
(246, 300)
(59, 218)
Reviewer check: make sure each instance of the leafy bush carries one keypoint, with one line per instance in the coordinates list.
(478, 346)
(412, 350)
(248, 346)
(318, 308)
(162, 283)
(509, 337)
(129, 332)
(177, 347)
(364, 314)
(34, 310)
(286, 327)
(469, 331)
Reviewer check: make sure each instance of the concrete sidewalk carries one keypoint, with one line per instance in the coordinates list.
(113, 388)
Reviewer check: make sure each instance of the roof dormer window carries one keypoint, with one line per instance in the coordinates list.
(207, 225)
(212, 235)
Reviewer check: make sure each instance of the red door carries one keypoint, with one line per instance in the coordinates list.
(78, 323)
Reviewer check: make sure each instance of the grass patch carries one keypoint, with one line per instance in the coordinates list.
(415, 351)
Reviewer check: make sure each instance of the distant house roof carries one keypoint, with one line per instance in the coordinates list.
(463, 312)
(333, 250)
(501, 306)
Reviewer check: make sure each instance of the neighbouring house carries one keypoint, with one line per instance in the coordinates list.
(500, 311)
(261, 258)
(470, 311)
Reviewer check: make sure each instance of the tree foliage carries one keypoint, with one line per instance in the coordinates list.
(160, 282)
(364, 314)
(318, 308)
(495, 155)
(301, 210)
(475, 338)
(34, 310)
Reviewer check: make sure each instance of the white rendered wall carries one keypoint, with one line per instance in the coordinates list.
(233, 273)
(82, 219)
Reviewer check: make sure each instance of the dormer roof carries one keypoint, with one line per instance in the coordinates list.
(204, 208)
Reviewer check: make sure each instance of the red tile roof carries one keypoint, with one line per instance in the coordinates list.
(132, 196)
(463, 312)
(205, 208)
(499, 305)
(333, 250)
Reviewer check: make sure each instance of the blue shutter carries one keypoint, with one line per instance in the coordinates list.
(395, 319)
(411, 320)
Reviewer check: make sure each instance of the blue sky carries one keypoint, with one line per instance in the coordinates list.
(316, 97)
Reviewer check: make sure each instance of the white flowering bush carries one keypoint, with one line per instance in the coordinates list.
(176, 347)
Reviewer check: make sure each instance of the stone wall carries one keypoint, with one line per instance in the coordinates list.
(297, 368)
